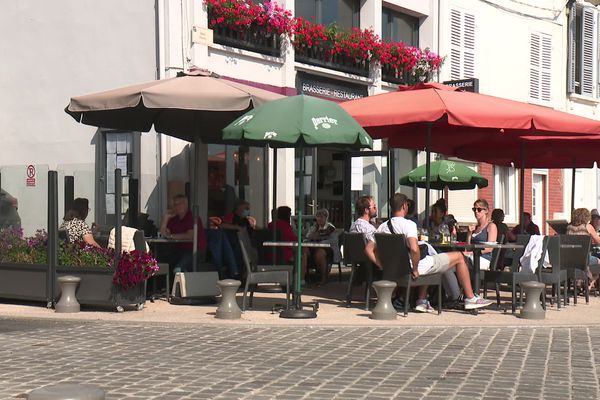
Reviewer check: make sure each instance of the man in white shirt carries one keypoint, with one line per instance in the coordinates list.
(438, 263)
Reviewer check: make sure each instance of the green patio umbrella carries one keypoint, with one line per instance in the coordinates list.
(298, 121)
(454, 175)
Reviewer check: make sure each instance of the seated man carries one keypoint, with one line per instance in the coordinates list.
(240, 218)
(530, 227)
(438, 263)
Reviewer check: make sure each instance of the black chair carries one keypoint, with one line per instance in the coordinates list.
(394, 256)
(556, 275)
(354, 254)
(575, 261)
(499, 276)
(255, 274)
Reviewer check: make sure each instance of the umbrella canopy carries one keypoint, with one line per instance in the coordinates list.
(191, 106)
(298, 121)
(457, 118)
(445, 173)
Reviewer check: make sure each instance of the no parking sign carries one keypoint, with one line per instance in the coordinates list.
(30, 180)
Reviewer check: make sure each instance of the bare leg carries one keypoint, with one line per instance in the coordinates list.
(462, 272)
(320, 257)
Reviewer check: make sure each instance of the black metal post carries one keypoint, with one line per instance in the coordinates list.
(573, 171)
(196, 204)
(134, 202)
(427, 174)
(52, 247)
(118, 214)
(522, 191)
(69, 192)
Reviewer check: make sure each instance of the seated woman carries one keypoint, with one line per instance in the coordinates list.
(580, 225)
(482, 232)
(501, 227)
(321, 231)
(286, 234)
(74, 223)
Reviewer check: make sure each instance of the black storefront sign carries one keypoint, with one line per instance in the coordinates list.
(314, 85)
(468, 85)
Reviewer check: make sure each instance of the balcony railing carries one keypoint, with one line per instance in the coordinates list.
(255, 39)
(318, 56)
(401, 77)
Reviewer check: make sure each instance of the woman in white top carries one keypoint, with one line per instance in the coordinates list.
(482, 232)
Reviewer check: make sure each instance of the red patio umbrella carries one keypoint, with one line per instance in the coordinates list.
(446, 120)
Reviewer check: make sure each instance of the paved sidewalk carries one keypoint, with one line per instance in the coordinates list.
(158, 361)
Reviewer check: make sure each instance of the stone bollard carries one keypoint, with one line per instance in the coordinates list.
(228, 308)
(68, 302)
(67, 391)
(384, 309)
(533, 308)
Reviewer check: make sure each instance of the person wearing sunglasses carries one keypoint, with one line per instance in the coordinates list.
(483, 231)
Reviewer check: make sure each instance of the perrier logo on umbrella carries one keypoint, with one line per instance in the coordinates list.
(325, 122)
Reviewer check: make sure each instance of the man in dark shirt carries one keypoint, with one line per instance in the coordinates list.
(530, 227)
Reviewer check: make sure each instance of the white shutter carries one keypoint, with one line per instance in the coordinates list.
(455, 44)
(469, 46)
(540, 66)
(571, 63)
(534, 67)
(546, 68)
(462, 45)
(587, 50)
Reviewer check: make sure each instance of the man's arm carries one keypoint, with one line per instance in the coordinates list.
(164, 231)
(371, 253)
(415, 255)
(189, 235)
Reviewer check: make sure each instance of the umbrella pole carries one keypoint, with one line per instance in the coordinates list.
(196, 206)
(572, 189)
(273, 211)
(296, 311)
(427, 174)
(522, 191)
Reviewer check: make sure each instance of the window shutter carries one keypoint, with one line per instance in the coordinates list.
(571, 55)
(455, 44)
(587, 57)
(534, 67)
(546, 68)
(462, 45)
(469, 46)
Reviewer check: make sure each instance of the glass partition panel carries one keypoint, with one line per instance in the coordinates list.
(24, 197)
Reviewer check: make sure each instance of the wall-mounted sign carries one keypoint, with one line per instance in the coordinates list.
(30, 180)
(314, 85)
(468, 85)
(202, 35)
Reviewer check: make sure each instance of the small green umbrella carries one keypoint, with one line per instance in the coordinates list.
(298, 121)
(455, 176)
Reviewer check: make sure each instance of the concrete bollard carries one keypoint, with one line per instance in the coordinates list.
(384, 310)
(68, 302)
(67, 391)
(228, 308)
(533, 308)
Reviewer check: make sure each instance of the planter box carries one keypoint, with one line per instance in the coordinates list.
(253, 39)
(318, 56)
(97, 288)
(24, 282)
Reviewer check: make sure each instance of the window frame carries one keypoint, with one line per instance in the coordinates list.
(386, 23)
(318, 14)
(510, 212)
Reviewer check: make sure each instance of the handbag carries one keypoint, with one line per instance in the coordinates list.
(423, 249)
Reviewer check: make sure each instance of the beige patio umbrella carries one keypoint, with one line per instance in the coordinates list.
(194, 105)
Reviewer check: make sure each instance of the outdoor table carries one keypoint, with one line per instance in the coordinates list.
(297, 295)
(476, 248)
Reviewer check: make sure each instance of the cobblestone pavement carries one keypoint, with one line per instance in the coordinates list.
(151, 361)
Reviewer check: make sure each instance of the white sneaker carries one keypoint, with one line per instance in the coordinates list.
(477, 302)
(424, 307)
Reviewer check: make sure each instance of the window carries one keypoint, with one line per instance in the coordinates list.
(462, 45)
(398, 27)
(582, 68)
(540, 67)
(119, 153)
(505, 193)
(345, 13)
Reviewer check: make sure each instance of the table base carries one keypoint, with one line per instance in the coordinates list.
(298, 313)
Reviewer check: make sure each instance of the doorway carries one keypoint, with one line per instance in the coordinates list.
(538, 201)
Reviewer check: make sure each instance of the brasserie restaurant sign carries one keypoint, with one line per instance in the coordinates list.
(329, 88)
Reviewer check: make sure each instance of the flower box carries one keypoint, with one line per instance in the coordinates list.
(97, 288)
(319, 56)
(24, 282)
(254, 39)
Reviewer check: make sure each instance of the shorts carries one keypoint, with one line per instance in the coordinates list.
(435, 264)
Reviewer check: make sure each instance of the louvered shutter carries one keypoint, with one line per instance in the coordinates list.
(462, 45)
(534, 67)
(469, 46)
(587, 50)
(455, 44)
(571, 63)
(546, 68)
